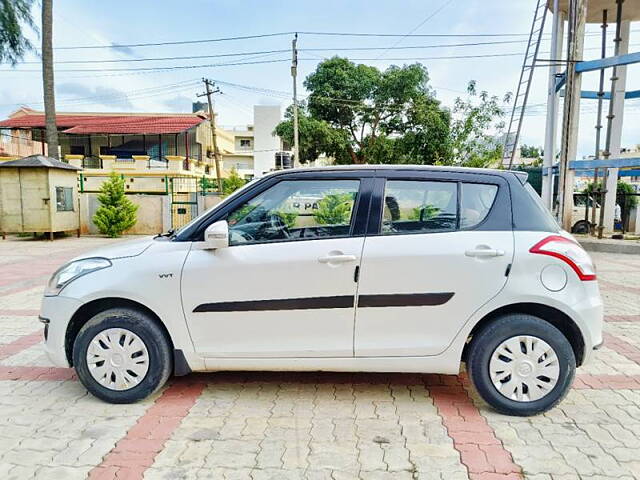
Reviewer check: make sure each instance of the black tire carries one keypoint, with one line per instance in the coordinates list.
(485, 342)
(158, 347)
(581, 227)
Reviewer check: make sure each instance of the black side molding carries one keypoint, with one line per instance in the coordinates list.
(310, 303)
(405, 300)
(342, 301)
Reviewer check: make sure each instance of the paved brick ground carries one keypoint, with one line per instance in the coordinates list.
(307, 426)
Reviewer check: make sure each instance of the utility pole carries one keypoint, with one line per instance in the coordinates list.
(557, 33)
(212, 121)
(571, 115)
(294, 74)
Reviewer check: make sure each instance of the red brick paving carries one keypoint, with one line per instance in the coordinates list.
(624, 348)
(480, 450)
(136, 452)
(622, 318)
(37, 267)
(606, 382)
(20, 344)
(36, 373)
(607, 285)
(18, 313)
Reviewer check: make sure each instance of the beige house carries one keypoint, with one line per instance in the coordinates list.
(148, 148)
(38, 194)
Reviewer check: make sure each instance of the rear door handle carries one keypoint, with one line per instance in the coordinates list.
(337, 259)
(484, 252)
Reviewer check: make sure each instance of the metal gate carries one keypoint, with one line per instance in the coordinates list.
(184, 200)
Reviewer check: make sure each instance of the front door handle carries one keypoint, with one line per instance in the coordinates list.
(484, 251)
(337, 258)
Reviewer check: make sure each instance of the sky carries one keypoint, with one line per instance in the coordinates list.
(263, 76)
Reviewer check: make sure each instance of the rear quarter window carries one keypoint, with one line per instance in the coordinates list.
(529, 213)
(476, 200)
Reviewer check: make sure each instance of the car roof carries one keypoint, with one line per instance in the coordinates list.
(522, 176)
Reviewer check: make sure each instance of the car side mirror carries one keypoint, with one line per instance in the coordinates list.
(217, 235)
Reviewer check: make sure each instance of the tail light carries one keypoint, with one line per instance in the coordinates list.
(569, 252)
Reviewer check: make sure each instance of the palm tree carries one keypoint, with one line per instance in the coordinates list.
(14, 14)
(47, 78)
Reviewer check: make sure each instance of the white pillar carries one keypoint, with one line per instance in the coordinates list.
(557, 33)
(616, 130)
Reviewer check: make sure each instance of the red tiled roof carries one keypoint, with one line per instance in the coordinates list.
(114, 124)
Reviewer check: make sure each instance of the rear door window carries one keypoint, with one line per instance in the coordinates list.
(414, 206)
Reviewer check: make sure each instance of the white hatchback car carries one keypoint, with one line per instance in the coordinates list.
(382, 269)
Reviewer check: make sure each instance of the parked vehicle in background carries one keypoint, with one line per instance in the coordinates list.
(385, 269)
(582, 224)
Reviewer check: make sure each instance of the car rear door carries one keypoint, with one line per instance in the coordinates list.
(439, 246)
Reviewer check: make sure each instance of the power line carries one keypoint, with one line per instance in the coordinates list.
(429, 17)
(143, 69)
(116, 46)
(186, 57)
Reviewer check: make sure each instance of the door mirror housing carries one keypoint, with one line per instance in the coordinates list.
(217, 235)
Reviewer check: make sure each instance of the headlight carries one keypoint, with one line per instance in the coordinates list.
(69, 272)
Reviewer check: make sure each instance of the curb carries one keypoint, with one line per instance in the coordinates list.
(606, 247)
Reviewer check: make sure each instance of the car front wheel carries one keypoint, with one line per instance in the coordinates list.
(521, 365)
(122, 356)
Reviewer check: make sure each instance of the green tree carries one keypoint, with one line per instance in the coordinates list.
(232, 182)
(116, 212)
(334, 209)
(316, 137)
(529, 151)
(14, 16)
(357, 113)
(476, 120)
(622, 188)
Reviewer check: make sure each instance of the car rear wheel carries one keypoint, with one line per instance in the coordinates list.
(521, 365)
(122, 356)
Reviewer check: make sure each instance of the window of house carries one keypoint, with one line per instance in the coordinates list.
(64, 199)
(245, 143)
(412, 206)
(295, 210)
(76, 149)
(476, 200)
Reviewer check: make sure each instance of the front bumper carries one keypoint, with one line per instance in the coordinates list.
(58, 311)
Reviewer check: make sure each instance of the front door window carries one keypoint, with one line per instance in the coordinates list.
(295, 210)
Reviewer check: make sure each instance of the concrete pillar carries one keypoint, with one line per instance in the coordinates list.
(616, 129)
(571, 115)
(166, 213)
(553, 99)
(634, 220)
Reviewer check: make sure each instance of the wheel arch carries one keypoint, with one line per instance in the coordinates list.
(551, 315)
(90, 309)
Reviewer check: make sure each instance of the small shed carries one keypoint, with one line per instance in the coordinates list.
(38, 194)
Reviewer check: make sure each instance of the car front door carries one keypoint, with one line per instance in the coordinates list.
(438, 249)
(285, 285)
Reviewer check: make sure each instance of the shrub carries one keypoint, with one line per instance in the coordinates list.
(116, 212)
